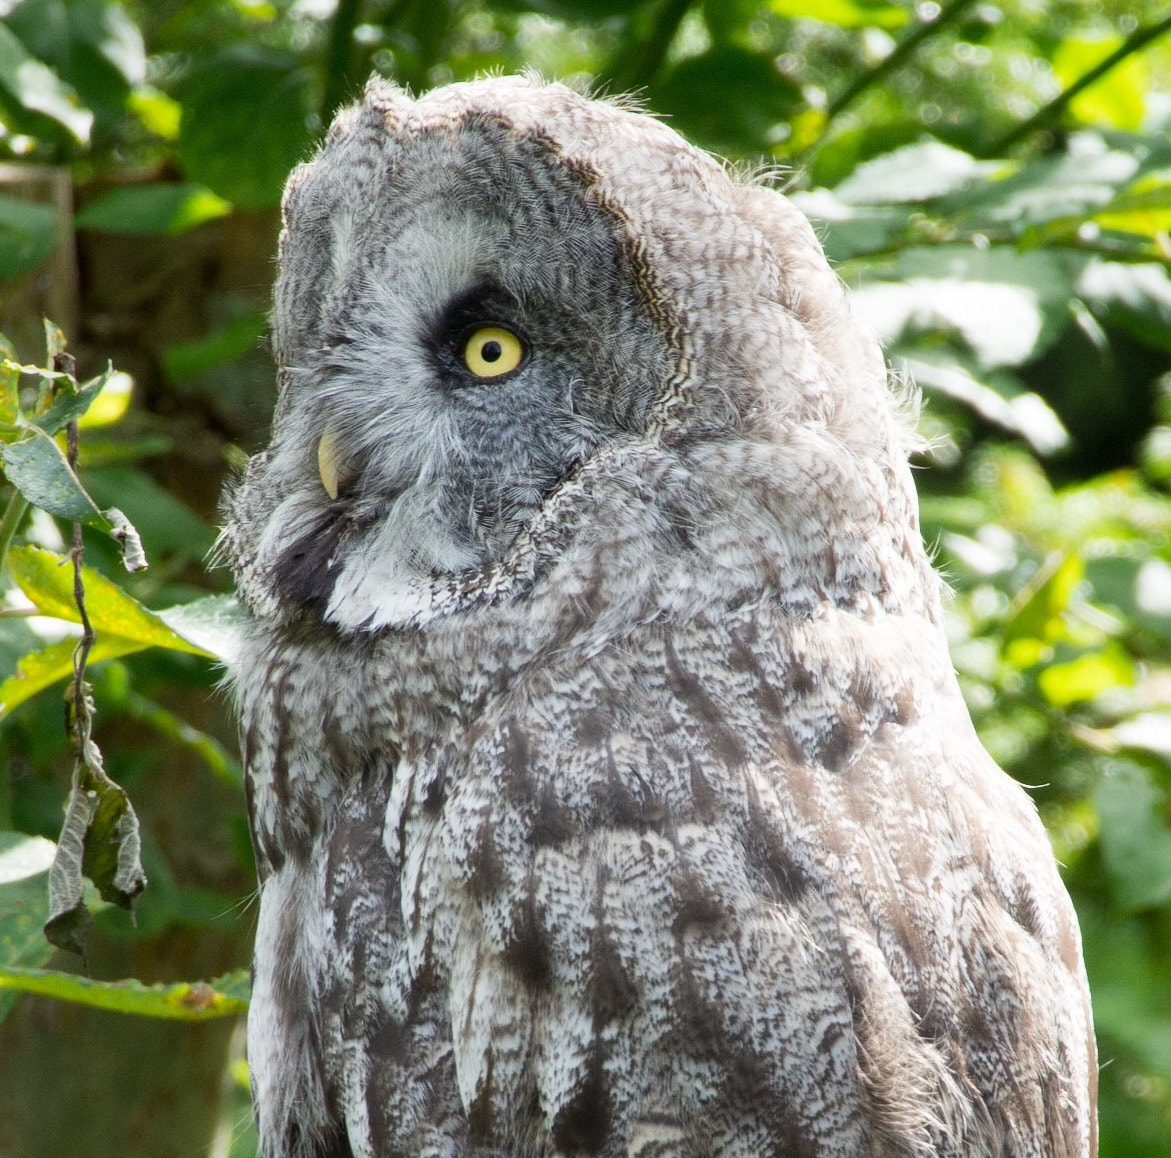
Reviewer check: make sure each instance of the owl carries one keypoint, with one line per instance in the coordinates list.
(610, 786)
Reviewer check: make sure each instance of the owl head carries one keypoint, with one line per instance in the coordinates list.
(509, 319)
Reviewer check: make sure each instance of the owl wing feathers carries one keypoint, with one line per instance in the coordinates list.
(736, 939)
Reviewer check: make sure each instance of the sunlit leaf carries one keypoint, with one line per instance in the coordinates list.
(1037, 612)
(153, 209)
(1117, 99)
(1064, 187)
(209, 627)
(48, 582)
(851, 230)
(111, 403)
(843, 13)
(9, 391)
(1083, 679)
(158, 112)
(38, 88)
(1135, 298)
(53, 664)
(1017, 411)
(226, 996)
(917, 172)
(213, 624)
(1006, 307)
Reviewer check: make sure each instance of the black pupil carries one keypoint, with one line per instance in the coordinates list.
(490, 351)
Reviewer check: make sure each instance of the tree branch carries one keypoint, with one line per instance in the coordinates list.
(1136, 41)
(640, 63)
(898, 56)
(338, 57)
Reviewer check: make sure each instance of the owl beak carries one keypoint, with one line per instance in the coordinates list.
(329, 460)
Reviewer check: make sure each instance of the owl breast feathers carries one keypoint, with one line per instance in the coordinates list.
(610, 785)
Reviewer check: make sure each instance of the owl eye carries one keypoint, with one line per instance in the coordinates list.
(492, 351)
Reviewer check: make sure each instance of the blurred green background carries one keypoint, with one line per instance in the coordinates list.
(994, 180)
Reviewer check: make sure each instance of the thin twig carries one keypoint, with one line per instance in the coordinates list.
(338, 57)
(898, 56)
(640, 64)
(1136, 41)
(82, 717)
(81, 721)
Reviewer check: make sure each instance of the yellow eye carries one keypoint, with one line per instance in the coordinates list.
(492, 351)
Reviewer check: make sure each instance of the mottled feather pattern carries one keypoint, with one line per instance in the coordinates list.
(611, 787)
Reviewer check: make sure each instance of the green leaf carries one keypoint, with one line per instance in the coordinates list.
(209, 627)
(159, 113)
(1005, 307)
(843, 13)
(1136, 838)
(1080, 680)
(851, 230)
(1067, 187)
(213, 624)
(9, 389)
(164, 521)
(226, 996)
(111, 403)
(38, 670)
(918, 172)
(70, 402)
(1118, 99)
(245, 124)
(24, 903)
(153, 209)
(28, 235)
(240, 336)
(1037, 612)
(995, 396)
(1128, 983)
(729, 98)
(40, 89)
(37, 467)
(47, 580)
(584, 10)
(1135, 298)
(100, 840)
(94, 45)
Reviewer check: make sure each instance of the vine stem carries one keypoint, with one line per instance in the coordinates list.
(338, 54)
(638, 65)
(949, 14)
(1136, 41)
(14, 514)
(81, 716)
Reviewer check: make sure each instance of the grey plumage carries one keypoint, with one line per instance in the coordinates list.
(611, 788)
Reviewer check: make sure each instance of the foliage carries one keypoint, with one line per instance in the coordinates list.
(993, 179)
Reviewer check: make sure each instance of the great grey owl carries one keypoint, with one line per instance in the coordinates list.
(610, 785)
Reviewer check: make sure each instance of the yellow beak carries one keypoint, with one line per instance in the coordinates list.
(329, 456)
